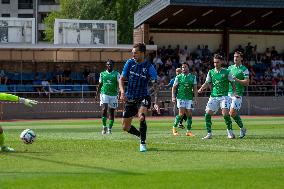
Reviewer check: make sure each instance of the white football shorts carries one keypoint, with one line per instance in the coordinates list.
(236, 102)
(112, 101)
(187, 104)
(214, 103)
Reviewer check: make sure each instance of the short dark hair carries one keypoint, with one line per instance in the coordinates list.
(141, 47)
(110, 61)
(185, 64)
(218, 56)
(239, 53)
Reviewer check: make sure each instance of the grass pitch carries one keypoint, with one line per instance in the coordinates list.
(73, 154)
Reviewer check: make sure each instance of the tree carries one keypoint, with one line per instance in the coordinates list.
(120, 10)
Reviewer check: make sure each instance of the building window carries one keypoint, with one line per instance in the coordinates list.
(5, 1)
(5, 15)
(25, 4)
(25, 15)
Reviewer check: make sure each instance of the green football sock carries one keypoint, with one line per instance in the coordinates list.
(2, 139)
(104, 120)
(110, 124)
(228, 122)
(189, 123)
(208, 122)
(238, 120)
(177, 120)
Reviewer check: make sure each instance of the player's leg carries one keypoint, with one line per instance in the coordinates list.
(130, 110)
(2, 140)
(111, 108)
(181, 111)
(144, 105)
(184, 118)
(110, 120)
(104, 117)
(178, 119)
(235, 107)
(104, 104)
(225, 105)
(189, 122)
(189, 109)
(211, 107)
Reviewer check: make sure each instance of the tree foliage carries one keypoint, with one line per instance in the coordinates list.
(120, 10)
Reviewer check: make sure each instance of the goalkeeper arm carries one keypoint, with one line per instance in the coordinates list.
(14, 98)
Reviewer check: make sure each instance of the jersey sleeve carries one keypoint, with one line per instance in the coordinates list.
(246, 74)
(153, 73)
(118, 76)
(230, 77)
(208, 78)
(175, 81)
(100, 78)
(125, 70)
(195, 81)
(9, 97)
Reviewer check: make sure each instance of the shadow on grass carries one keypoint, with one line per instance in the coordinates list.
(117, 171)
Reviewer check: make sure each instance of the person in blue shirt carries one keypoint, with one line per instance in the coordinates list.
(171, 84)
(138, 71)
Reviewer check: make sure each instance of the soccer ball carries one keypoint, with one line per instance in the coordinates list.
(28, 136)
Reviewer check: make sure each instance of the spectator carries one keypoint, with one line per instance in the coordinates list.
(93, 76)
(248, 52)
(273, 52)
(151, 40)
(3, 77)
(66, 76)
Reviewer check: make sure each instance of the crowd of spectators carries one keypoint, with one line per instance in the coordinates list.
(266, 68)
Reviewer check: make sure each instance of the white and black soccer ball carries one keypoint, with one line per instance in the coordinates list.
(28, 136)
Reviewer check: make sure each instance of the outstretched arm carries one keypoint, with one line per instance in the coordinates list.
(14, 98)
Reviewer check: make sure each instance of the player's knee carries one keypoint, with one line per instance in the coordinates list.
(125, 128)
(232, 114)
(142, 117)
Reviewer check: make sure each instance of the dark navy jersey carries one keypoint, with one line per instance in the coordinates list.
(138, 76)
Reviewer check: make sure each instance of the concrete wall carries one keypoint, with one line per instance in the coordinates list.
(213, 40)
(75, 108)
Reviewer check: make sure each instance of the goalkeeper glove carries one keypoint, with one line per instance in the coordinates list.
(28, 102)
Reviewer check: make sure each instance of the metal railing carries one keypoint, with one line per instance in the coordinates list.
(82, 91)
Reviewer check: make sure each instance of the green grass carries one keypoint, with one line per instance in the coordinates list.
(73, 154)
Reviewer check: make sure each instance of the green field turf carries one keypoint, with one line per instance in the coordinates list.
(73, 154)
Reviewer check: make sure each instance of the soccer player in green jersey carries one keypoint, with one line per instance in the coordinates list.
(219, 79)
(241, 76)
(13, 98)
(185, 84)
(108, 91)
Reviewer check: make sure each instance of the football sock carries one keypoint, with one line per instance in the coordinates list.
(238, 120)
(177, 120)
(228, 122)
(208, 122)
(189, 123)
(104, 120)
(110, 124)
(143, 131)
(2, 138)
(184, 117)
(134, 131)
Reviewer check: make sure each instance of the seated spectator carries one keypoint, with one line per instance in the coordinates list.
(93, 76)
(66, 76)
(86, 73)
(151, 40)
(158, 62)
(3, 77)
(37, 83)
(58, 74)
(273, 52)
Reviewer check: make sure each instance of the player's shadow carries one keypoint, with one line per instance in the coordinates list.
(103, 169)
